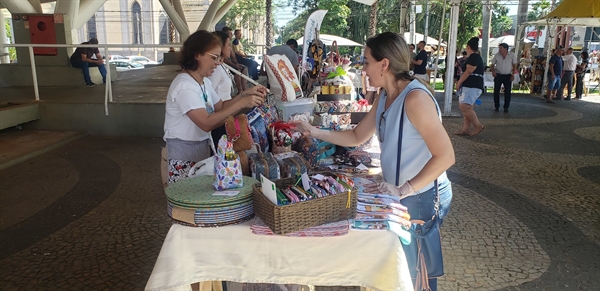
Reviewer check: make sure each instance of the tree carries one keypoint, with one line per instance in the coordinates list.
(12, 52)
(500, 20)
(538, 10)
(248, 14)
(469, 21)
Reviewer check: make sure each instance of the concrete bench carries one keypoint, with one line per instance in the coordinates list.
(48, 76)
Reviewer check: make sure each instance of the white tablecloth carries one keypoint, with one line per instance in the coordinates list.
(372, 259)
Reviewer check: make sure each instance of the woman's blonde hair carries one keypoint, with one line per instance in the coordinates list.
(393, 47)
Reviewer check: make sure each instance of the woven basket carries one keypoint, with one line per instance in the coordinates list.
(298, 216)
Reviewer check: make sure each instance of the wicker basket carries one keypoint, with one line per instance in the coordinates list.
(297, 216)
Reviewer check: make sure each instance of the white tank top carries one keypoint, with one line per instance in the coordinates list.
(415, 153)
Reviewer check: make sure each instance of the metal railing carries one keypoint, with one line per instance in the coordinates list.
(108, 96)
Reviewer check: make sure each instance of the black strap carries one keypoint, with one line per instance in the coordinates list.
(400, 143)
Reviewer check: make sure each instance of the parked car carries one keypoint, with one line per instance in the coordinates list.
(116, 57)
(125, 65)
(142, 60)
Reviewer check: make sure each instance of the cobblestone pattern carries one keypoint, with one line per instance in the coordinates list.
(591, 133)
(486, 247)
(525, 192)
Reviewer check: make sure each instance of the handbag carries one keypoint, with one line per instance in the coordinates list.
(238, 132)
(424, 253)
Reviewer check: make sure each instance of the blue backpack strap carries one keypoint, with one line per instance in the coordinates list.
(326, 153)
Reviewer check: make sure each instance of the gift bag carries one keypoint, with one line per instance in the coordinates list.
(238, 132)
(269, 113)
(282, 78)
(283, 137)
(244, 163)
(258, 129)
(228, 168)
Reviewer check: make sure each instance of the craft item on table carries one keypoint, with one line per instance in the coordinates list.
(283, 136)
(238, 132)
(202, 168)
(326, 161)
(228, 168)
(294, 166)
(359, 157)
(342, 106)
(322, 119)
(361, 105)
(269, 113)
(258, 129)
(265, 164)
(244, 163)
(194, 202)
(334, 56)
(326, 230)
(369, 225)
(282, 78)
(304, 116)
(307, 146)
(300, 207)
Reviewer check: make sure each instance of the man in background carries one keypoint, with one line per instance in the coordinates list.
(570, 62)
(82, 59)
(555, 68)
(242, 57)
(288, 50)
(504, 65)
(420, 63)
(413, 55)
(232, 62)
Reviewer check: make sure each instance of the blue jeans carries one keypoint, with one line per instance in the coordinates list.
(85, 69)
(251, 64)
(421, 207)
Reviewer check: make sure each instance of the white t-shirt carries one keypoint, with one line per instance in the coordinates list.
(570, 62)
(185, 94)
(221, 83)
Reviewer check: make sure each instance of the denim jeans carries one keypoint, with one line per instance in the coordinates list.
(421, 207)
(85, 69)
(251, 64)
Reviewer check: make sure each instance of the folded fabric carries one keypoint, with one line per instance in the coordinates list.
(325, 230)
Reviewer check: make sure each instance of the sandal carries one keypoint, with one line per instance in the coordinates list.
(474, 133)
(460, 132)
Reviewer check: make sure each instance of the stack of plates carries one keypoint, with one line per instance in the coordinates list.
(192, 202)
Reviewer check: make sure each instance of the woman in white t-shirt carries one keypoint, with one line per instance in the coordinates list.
(193, 108)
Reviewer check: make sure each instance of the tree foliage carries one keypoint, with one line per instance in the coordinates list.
(12, 52)
(249, 14)
(501, 23)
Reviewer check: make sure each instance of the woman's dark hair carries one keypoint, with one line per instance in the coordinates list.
(473, 43)
(393, 47)
(199, 42)
(585, 56)
(222, 36)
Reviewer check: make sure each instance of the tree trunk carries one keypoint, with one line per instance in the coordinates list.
(373, 19)
(268, 32)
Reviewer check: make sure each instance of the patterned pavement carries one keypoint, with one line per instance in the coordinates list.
(90, 215)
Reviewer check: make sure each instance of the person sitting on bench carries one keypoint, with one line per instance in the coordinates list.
(242, 57)
(82, 59)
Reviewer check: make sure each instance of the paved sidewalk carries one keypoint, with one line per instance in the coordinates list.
(90, 215)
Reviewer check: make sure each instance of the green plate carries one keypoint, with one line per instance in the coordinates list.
(198, 192)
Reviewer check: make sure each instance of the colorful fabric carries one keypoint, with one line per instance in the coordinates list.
(179, 170)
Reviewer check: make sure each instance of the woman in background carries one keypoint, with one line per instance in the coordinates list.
(580, 70)
(470, 86)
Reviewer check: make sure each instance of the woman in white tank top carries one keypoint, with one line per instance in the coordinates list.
(425, 148)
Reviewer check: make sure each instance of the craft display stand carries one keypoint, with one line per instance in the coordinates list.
(538, 69)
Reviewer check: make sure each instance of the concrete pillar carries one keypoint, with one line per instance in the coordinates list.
(412, 22)
(87, 9)
(180, 24)
(71, 9)
(452, 37)
(485, 34)
(20, 6)
(210, 15)
(222, 11)
(36, 5)
(4, 58)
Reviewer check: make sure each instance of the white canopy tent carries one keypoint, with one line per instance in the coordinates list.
(328, 40)
(508, 39)
(419, 37)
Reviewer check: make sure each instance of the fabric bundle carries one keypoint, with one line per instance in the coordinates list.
(326, 230)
